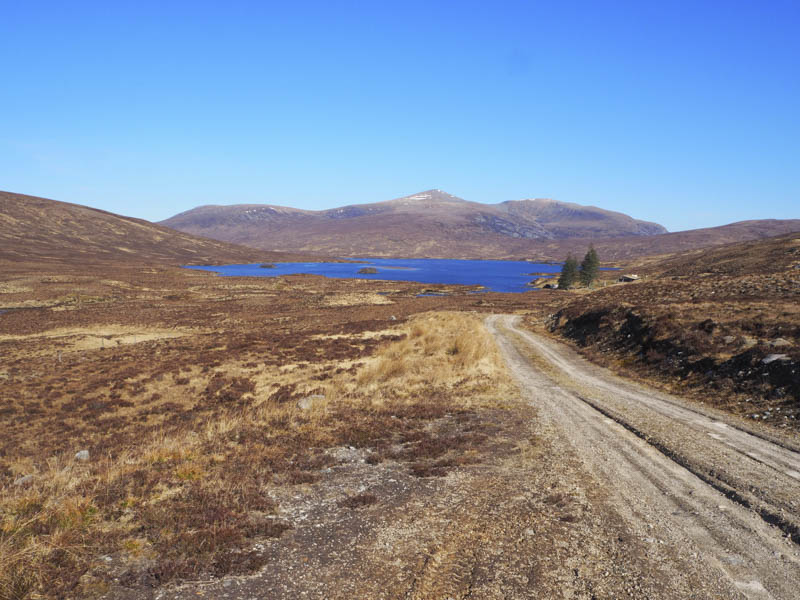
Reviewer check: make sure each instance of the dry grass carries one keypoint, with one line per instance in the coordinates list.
(356, 299)
(191, 499)
(440, 351)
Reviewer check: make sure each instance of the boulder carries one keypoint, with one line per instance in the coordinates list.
(82, 455)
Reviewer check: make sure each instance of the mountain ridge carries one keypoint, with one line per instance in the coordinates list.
(431, 222)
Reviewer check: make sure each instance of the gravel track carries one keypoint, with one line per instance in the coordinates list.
(678, 475)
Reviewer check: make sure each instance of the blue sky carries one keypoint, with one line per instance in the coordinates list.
(684, 113)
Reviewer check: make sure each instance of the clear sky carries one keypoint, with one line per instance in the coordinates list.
(684, 113)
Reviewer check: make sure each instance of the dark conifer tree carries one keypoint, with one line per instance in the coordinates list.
(569, 273)
(590, 267)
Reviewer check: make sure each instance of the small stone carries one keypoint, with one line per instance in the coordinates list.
(24, 480)
(308, 402)
(393, 318)
(770, 358)
(729, 339)
(82, 455)
(780, 343)
(346, 454)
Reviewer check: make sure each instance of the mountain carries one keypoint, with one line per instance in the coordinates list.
(431, 223)
(40, 230)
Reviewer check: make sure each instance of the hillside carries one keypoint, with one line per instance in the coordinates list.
(428, 224)
(666, 244)
(40, 230)
(721, 323)
(777, 254)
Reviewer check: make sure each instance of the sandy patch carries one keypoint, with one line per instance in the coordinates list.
(355, 299)
(364, 335)
(11, 287)
(115, 283)
(92, 338)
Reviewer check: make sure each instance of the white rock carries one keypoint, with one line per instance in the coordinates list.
(308, 402)
(24, 480)
(773, 357)
(82, 455)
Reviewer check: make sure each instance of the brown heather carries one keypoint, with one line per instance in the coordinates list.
(704, 324)
(184, 450)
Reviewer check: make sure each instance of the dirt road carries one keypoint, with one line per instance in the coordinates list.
(724, 497)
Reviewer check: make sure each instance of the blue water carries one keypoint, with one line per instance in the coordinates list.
(495, 275)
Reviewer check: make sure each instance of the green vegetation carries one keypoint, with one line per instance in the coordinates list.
(569, 273)
(589, 267)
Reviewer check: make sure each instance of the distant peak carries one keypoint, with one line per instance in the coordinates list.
(431, 195)
(543, 200)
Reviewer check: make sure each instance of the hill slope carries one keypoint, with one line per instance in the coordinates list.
(40, 230)
(431, 223)
(723, 323)
(777, 254)
(623, 249)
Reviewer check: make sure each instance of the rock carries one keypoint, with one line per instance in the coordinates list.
(749, 342)
(308, 402)
(346, 454)
(770, 358)
(393, 318)
(24, 480)
(729, 339)
(82, 455)
(780, 343)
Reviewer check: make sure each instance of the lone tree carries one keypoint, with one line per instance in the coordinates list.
(569, 273)
(589, 267)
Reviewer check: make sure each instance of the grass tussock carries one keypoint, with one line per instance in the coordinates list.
(441, 351)
(194, 500)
